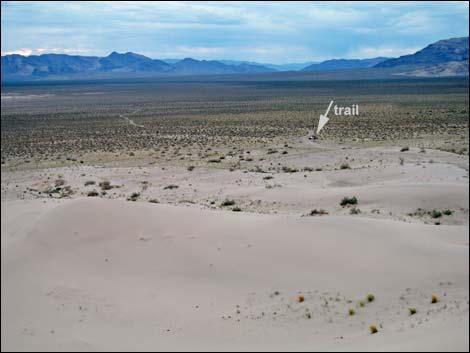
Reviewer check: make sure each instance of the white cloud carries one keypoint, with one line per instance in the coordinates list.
(24, 52)
(386, 51)
(39, 51)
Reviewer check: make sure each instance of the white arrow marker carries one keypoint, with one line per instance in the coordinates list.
(324, 118)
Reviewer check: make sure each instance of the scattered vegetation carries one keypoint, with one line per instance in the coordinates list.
(228, 202)
(373, 329)
(171, 187)
(320, 212)
(348, 201)
(448, 212)
(134, 196)
(355, 211)
(434, 299)
(93, 193)
(370, 298)
(412, 310)
(105, 185)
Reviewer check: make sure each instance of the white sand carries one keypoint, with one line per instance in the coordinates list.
(108, 274)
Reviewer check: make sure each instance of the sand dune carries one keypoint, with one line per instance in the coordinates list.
(95, 274)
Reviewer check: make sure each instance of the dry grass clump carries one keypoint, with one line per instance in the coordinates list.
(355, 211)
(320, 212)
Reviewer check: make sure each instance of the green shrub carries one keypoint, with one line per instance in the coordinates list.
(348, 201)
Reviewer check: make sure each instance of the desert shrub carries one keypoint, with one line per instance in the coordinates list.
(236, 209)
(154, 201)
(93, 193)
(345, 166)
(289, 170)
(105, 185)
(90, 182)
(320, 212)
(348, 201)
(59, 182)
(171, 187)
(355, 211)
(134, 196)
(434, 299)
(370, 298)
(351, 312)
(448, 212)
(362, 303)
(405, 149)
(268, 177)
(300, 298)
(308, 169)
(435, 214)
(228, 202)
(373, 329)
(191, 168)
(412, 310)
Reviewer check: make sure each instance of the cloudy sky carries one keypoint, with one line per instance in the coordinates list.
(275, 32)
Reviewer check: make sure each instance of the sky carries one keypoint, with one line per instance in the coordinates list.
(267, 32)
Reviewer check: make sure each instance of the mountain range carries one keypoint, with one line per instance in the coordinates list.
(344, 64)
(443, 58)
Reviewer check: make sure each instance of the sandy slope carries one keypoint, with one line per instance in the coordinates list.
(101, 274)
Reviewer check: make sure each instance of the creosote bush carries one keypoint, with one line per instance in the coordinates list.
(348, 201)
(227, 202)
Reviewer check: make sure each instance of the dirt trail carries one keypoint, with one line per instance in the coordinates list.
(130, 121)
